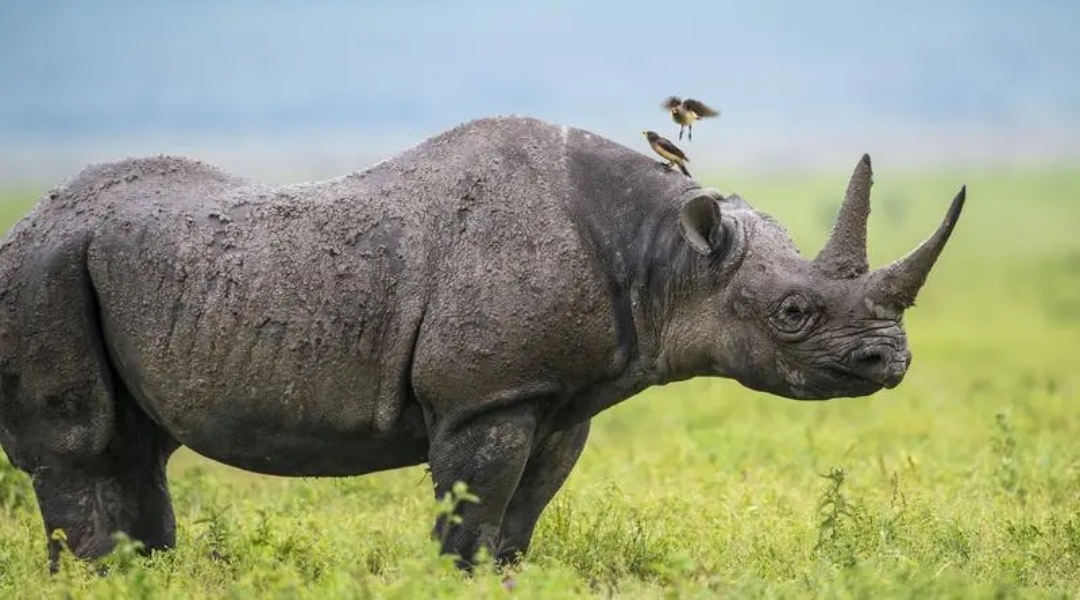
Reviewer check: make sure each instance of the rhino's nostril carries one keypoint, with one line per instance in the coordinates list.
(874, 363)
(870, 359)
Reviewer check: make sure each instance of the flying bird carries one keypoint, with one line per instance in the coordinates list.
(666, 149)
(685, 112)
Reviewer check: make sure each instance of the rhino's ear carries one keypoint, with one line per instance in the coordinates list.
(699, 220)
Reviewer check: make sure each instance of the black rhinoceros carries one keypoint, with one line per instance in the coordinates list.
(470, 303)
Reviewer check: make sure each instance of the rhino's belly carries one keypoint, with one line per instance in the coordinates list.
(249, 440)
(294, 422)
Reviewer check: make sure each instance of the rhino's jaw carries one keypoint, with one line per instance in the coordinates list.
(853, 388)
(841, 384)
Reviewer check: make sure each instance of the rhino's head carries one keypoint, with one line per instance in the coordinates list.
(807, 329)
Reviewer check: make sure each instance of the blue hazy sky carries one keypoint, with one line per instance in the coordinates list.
(87, 72)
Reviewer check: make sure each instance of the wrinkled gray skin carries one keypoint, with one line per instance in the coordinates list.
(470, 303)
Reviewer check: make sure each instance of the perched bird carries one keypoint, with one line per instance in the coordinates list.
(666, 149)
(685, 112)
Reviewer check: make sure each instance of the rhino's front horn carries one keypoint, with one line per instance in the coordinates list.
(899, 283)
(844, 254)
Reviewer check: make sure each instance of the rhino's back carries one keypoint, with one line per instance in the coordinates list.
(236, 309)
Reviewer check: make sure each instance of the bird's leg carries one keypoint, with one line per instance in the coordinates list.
(681, 127)
(690, 132)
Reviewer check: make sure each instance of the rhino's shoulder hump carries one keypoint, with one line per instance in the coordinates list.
(497, 131)
(506, 123)
(100, 176)
(138, 183)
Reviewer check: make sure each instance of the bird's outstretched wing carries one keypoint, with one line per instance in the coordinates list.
(699, 108)
(671, 102)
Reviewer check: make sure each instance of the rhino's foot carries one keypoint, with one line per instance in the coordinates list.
(89, 505)
(546, 471)
(124, 489)
(488, 454)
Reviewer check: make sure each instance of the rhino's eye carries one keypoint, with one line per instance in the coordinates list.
(794, 314)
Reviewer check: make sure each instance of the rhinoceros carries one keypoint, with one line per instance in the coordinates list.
(470, 303)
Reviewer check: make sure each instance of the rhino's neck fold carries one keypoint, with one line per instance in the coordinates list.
(669, 288)
(624, 206)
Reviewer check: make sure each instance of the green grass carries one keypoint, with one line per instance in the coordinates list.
(962, 482)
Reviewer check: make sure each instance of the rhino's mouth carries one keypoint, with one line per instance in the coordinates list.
(852, 390)
(832, 381)
(845, 382)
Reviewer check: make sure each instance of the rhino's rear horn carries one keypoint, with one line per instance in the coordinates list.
(844, 254)
(899, 283)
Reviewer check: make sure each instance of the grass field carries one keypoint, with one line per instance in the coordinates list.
(962, 482)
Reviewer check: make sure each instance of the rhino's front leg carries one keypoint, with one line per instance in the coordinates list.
(489, 453)
(545, 473)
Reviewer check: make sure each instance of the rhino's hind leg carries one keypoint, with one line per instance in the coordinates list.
(546, 471)
(96, 460)
(122, 489)
(489, 454)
